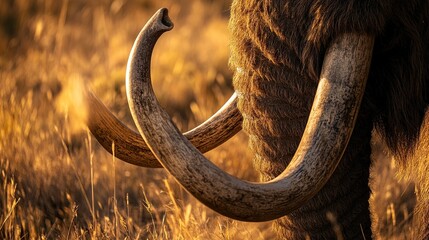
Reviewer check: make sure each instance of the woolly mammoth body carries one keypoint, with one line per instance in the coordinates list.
(279, 48)
(284, 53)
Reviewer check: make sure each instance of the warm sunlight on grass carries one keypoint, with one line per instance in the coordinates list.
(57, 182)
(71, 102)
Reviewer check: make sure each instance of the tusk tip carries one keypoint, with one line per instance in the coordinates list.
(164, 19)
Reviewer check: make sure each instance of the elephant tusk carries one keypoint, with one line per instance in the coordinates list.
(129, 145)
(330, 125)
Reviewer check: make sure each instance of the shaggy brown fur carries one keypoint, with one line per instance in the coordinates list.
(277, 51)
(417, 169)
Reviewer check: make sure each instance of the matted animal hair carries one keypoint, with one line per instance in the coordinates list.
(397, 91)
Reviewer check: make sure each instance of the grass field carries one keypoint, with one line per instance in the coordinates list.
(58, 183)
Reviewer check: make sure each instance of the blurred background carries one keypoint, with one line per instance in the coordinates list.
(57, 182)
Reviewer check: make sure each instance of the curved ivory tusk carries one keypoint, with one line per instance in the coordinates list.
(129, 145)
(330, 125)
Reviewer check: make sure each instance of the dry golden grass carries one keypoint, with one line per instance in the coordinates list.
(58, 183)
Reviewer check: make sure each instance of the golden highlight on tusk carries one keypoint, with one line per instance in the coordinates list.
(330, 125)
(129, 145)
